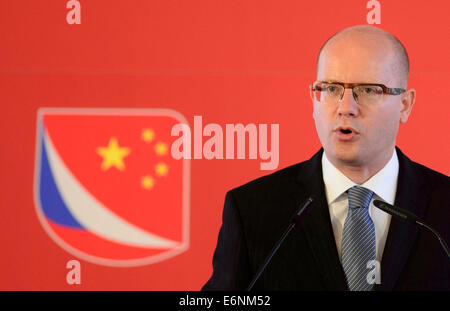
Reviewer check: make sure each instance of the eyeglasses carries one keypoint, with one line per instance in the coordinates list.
(363, 93)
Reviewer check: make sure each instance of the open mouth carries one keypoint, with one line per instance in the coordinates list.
(346, 131)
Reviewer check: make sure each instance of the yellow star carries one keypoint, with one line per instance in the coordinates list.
(147, 182)
(161, 169)
(161, 148)
(113, 155)
(147, 135)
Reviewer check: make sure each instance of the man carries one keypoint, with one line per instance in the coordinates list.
(360, 98)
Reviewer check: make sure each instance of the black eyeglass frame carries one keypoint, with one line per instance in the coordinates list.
(386, 90)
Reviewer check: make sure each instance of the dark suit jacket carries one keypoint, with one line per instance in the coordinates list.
(256, 214)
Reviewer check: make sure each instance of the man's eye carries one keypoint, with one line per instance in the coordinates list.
(372, 90)
(331, 89)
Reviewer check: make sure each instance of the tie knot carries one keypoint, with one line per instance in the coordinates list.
(359, 197)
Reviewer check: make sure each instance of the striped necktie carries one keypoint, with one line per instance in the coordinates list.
(358, 239)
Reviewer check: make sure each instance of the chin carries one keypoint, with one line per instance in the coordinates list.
(346, 154)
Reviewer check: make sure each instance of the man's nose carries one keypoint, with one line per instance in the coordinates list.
(348, 105)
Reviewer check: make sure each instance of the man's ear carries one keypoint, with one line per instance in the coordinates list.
(408, 100)
(311, 95)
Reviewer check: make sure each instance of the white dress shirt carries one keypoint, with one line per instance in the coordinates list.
(384, 186)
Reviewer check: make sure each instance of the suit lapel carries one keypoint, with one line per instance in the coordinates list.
(402, 235)
(317, 224)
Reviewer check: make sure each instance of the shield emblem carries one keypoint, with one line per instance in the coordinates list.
(107, 189)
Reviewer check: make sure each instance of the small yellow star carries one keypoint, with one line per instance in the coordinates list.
(161, 148)
(148, 135)
(113, 155)
(147, 182)
(161, 169)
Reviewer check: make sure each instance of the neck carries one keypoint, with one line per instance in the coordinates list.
(361, 172)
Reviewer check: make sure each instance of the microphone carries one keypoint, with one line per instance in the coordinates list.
(295, 219)
(403, 214)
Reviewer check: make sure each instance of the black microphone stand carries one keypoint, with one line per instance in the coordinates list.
(294, 221)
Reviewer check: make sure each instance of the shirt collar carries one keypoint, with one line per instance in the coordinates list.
(383, 183)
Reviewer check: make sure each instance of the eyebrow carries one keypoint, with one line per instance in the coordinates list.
(336, 81)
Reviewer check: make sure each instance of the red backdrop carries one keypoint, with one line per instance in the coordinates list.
(228, 61)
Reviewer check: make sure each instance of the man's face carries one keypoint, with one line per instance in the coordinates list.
(374, 127)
